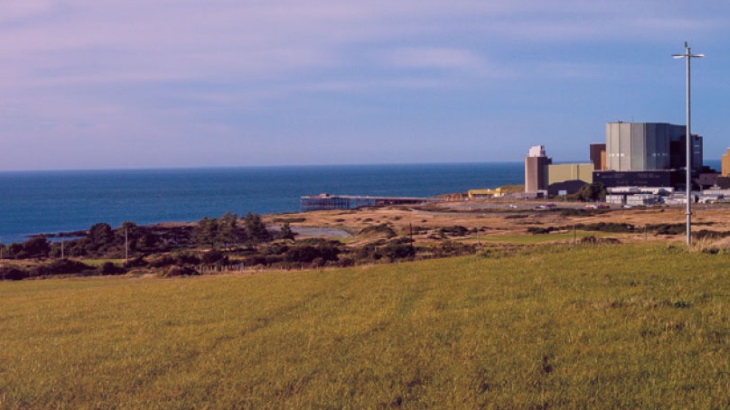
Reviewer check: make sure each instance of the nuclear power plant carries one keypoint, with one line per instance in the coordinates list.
(637, 158)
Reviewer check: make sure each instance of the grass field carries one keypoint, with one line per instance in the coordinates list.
(529, 239)
(609, 326)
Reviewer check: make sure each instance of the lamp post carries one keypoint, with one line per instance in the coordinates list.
(688, 56)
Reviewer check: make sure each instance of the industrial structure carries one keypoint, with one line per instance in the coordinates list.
(570, 172)
(598, 156)
(536, 171)
(329, 202)
(636, 154)
(648, 154)
(725, 164)
(641, 146)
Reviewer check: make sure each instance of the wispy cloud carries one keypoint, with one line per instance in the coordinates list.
(162, 67)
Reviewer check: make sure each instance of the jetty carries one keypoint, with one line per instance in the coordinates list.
(328, 201)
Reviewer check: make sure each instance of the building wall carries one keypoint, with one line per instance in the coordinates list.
(611, 179)
(536, 173)
(726, 164)
(570, 172)
(698, 159)
(648, 146)
(598, 156)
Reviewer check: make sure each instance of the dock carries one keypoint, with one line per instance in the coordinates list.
(328, 201)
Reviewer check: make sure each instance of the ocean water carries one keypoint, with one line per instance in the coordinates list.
(62, 201)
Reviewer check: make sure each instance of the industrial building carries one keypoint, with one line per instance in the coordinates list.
(725, 171)
(655, 178)
(636, 154)
(570, 172)
(536, 170)
(598, 157)
(639, 146)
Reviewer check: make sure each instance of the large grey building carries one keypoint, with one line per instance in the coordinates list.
(640, 146)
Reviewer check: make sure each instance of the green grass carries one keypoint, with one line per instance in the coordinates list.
(99, 262)
(528, 239)
(622, 326)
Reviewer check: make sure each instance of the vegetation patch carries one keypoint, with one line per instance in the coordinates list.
(455, 230)
(291, 220)
(538, 230)
(378, 230)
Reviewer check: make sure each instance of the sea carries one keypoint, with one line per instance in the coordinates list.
(36, 202)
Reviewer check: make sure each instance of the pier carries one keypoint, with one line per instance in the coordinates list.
(328, 201)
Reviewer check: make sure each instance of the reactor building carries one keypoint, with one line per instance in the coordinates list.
(647, 154)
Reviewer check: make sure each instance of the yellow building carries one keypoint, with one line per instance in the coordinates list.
(570, 172)
(486, 193)
(726, 163)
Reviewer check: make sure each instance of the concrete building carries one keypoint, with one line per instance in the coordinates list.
(570, 172)
(726, 164)
(639, 146)
(598, 157)
(536, 170)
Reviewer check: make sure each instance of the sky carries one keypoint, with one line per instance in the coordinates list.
(99, 84)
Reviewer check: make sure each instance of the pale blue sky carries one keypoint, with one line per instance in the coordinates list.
(188, 83)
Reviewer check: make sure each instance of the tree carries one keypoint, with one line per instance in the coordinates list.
(228, 232)
(256, 231)
(133, 234)
(206, 233)
(285, 232)
(15, 251)
(100, 235)
(146, 242)
(37, 247)
(592, 192)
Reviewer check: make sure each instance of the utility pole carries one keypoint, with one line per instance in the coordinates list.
(688, 56)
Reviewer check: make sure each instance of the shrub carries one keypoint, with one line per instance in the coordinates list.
(109, 268)
(456, 230)
(346, 262)
(185, 258)
(667, 229)
(37, 247)
(318, 263)
(450, 248)
(592, 192)
(612, 227)
(61, 267)
(277, 248)
(162, 261)
(138, 262)
(382, 229)
(212, 257)
(308, 253)
(398, 249)
(289, 220)
(10, 273)
(536, 230)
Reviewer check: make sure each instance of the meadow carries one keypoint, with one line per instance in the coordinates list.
(557, 326)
